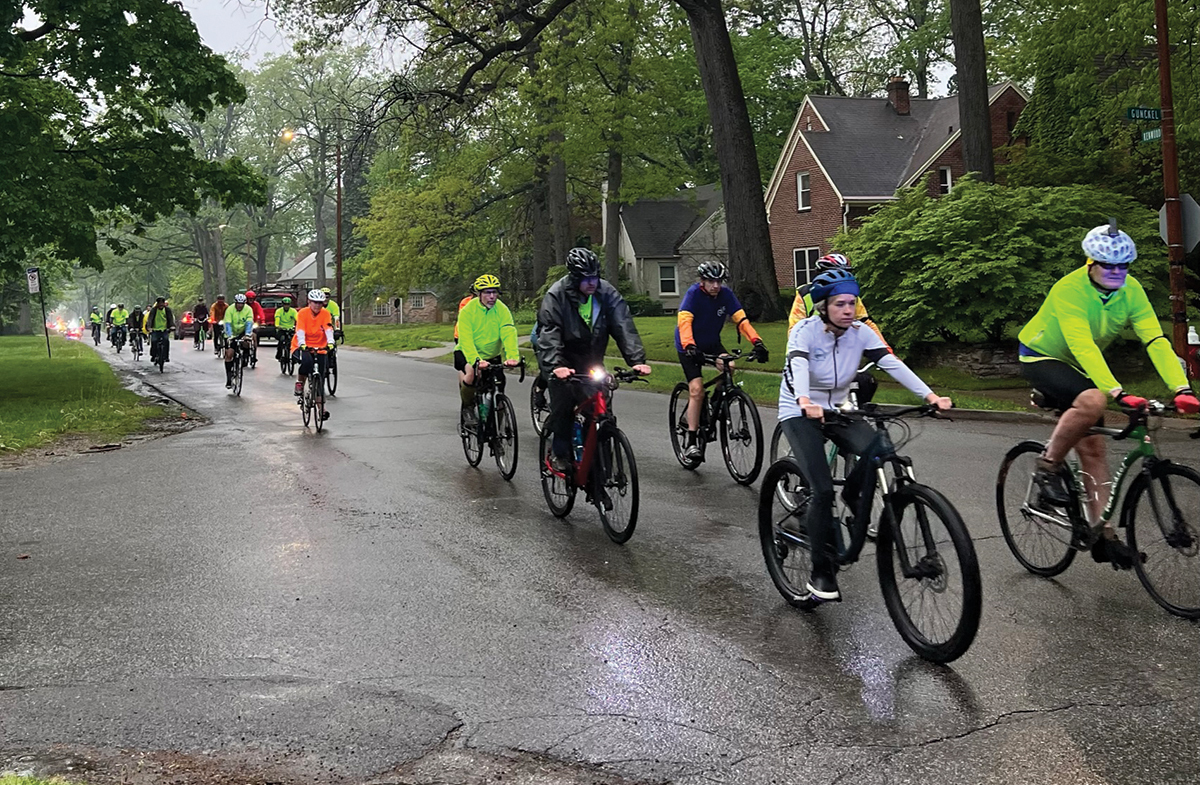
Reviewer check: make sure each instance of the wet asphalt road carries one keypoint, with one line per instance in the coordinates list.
(352, 605)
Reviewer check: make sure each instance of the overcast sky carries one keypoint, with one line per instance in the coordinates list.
(237, 26)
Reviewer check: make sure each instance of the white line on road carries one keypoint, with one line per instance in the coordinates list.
(366, 379)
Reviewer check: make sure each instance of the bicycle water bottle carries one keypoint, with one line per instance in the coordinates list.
(577, 441)
(485, 405)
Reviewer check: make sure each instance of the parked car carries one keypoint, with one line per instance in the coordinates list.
(270, 299)
(185, 326)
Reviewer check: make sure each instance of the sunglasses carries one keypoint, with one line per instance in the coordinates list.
(1112, 265)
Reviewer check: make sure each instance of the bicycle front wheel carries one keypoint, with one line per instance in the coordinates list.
(929, 574)
(1040, 538)
(505, 422)
(318, 402)
(331, 376)
(782, 532)
(559, 491)
(616, 494)
(237, 375)
(677, 424)
(741, 437)
(1162, 520)
(539, 406)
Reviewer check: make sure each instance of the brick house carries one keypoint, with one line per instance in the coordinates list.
(664, 240)
(421, 306)
(844, 156)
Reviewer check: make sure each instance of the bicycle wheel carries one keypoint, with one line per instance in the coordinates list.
(616, 494)
(318, 401)
(539, 407)
(741, 437)
(559, 491)
(782, 509)
(283, 364)
(237, 375)
(780, 447)
(677, 424)
(1041, 540)
(306, 403)
(1166, 527)
(505, 421)
(472, 441)
(203, 339)
(936, 610)
(331, 377)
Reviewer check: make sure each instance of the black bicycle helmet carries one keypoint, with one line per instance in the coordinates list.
(712, 271)
(582, 263)
(833, 282)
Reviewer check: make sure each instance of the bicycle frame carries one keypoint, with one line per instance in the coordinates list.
(1143, 450)
(595, 412)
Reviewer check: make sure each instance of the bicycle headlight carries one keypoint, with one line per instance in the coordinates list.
(598, 374)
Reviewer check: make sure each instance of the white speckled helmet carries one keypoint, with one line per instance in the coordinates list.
(1108, 244)
(316, 296)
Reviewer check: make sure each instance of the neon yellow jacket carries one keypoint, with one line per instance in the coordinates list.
(486, 332)
(1074, 325)
(286, 319)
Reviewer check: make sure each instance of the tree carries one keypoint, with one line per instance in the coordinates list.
(83, 91)
(970, 57)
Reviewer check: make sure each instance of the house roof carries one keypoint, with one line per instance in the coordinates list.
(657, 227)
(870, 151)
(306, 268)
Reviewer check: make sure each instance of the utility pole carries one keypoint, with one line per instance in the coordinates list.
(1174, 207)
(338, 252)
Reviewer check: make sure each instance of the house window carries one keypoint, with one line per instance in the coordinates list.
(383, 308)
(416, 301)
(945, 179)
(805, 260)
(803, 192)
(668, 281)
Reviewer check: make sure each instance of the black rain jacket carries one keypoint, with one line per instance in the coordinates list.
(564, 340)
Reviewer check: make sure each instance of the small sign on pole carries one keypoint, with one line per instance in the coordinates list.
(1190, 211)
(1143, 113)
(35, 287)
(1154, 134)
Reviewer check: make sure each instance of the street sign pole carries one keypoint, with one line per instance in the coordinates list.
(1174, 209)
(35, 287)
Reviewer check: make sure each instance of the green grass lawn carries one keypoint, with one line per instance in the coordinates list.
(76, 392)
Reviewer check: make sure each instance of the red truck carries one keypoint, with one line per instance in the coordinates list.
(271, 298)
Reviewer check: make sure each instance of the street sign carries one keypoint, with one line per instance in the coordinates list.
(1191, 222)
(1143, 113)
(35, 286)
(1152, 135)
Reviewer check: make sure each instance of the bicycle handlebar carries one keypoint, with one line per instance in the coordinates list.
(502, 366)
(873, 412)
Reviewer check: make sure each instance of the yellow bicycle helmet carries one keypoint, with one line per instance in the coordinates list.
(485, 282)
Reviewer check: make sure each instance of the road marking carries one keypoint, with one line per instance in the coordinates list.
(366, 379)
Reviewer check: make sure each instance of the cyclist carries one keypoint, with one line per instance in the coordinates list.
(108, 325)
(802, 308)
(285, 325)
(96, 320)
(314, 330)
(823, 354)
(576, 318)
(1061, 353)
(119, 318)
(239, 323)
(199, 318)
(486, 334)
(216, 315)
(159, 321)
(702, 314)
(259, 318)
(335, 311)
(137, 323)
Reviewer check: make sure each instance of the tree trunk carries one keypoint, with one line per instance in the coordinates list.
(612, 217)
(322, 239)
(557, 198)
(970, 59)
(543, 239)
(262, 248)
(218, 262)
(751, 263)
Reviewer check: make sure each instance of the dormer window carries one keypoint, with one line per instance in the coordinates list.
(945, 180)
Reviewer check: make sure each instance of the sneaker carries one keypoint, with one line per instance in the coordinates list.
(691, 450)
(228, 385)
(1052, 491)
(1120, 555)
(324, 416)
(299, 389)
(824, 586)
(559, 464)
(539, 399)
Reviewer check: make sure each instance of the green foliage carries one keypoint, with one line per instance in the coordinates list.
(977, 262)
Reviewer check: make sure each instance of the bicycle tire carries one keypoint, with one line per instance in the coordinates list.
(780, 447)
(559, 491)
(507, 441)
(618, 483)
(318, 401)
(306, 403)
(922, 500)
(331, 378)
(472, 442)
(677, 424)
(748, 433)
(538, 413)
(1176, 540)
(237, 375)
(1041, 546)
(782, 532)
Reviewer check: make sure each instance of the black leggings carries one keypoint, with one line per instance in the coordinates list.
(807, 439)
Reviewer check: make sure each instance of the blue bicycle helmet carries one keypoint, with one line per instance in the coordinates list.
(833, 282)
(1106, 243)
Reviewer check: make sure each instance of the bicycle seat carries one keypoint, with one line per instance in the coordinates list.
(1038, 399)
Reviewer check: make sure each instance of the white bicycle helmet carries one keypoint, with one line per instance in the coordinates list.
(1106, 243)
(239, 298)
(316, 296)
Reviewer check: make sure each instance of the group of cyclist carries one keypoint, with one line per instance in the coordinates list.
(121, 325)
(830, 336)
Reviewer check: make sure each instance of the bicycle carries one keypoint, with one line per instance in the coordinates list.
(201, 336)
(283, 354)
(729, 414)
(240, 347)
(1046, 540)
(219, 340)
(96, 333)
(135, 344)
(118, 339)
(496, 422)
(539, 404)
(920, 535)
(602, 464)
(159, 346)
(331, 376)
(312, 399)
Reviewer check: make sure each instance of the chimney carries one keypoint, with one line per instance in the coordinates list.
(897, 91)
